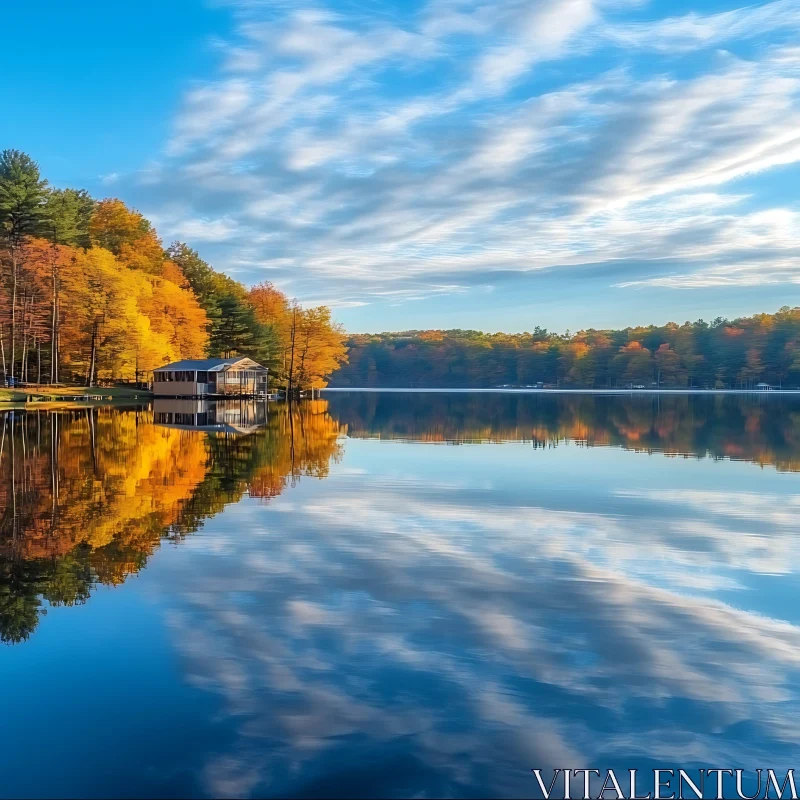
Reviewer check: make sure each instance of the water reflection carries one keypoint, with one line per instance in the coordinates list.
(439, 620)
(765, 430)
(88, 495)
(427, 620)
(219, 416)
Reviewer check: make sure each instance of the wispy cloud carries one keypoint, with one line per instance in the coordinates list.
(693, 30)
(360, 154)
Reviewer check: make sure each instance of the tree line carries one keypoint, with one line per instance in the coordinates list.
(88, 294)
(737, 353)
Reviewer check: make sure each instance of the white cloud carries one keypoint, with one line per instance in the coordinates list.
(368, 156)
(695, 30)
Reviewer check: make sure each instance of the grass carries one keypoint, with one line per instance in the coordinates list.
(62, 394)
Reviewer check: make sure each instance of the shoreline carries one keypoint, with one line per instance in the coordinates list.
(70, 396)
(396, 390)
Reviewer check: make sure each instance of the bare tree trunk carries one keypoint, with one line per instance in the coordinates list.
(23, 369)
(53, 329)
(39, 362)
(3, 353)
(58, 343)
(24, 337)
(13, 307)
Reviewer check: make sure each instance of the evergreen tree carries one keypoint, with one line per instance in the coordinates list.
(22, 195)
(66, 215)
(238, 332)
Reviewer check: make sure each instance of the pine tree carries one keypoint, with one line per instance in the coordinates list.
(22, 195)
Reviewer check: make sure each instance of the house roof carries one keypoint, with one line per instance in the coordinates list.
(206, 364)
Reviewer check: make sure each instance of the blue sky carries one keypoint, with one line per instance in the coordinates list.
(493, 164)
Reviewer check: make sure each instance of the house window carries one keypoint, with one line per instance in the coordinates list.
(202, 377)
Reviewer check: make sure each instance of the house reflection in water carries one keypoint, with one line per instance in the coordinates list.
(222, 416)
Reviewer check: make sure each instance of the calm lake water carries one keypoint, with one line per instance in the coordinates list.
(396, 594)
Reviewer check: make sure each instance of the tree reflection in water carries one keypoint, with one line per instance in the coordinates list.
(760, 429)
(87, 495)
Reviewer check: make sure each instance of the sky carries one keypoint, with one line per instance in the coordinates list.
(486, 164)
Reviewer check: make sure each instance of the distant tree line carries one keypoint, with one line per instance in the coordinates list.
(88, 293)
(737, 353)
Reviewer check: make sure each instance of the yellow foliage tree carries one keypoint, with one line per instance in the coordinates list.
(175, 314)
(128, 235)
(312, 346)
(121, 323)
(317, 347)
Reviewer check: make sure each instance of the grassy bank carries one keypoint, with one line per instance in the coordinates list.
(69, 394)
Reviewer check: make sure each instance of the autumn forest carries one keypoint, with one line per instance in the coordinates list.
(723, 354)
(89, 294)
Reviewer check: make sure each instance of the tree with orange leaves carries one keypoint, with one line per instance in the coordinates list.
(312, 346)
(128, 235)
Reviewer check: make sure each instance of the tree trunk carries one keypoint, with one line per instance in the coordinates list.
(58, 343)
(3, 439)
(3, 353)
(302, 369)
(24, 337)
(53, 329)
(13, 307)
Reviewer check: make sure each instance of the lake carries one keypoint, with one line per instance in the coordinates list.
(394, 594)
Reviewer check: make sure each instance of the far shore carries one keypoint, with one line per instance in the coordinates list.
(759, 392)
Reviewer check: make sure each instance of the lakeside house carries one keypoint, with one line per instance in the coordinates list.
(238, 376)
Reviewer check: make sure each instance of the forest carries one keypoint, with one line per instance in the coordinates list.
(89, 295)
(723, 354)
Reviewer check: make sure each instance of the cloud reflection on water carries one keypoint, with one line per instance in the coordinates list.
(386, 633)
